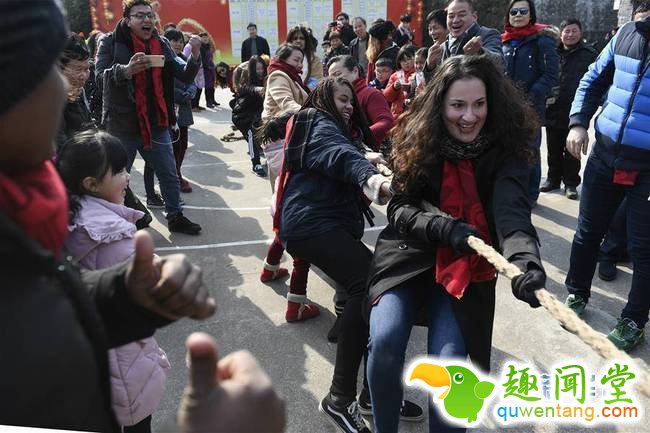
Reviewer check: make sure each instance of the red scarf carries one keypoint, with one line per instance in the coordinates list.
(283, 178)
(293, 73)
(519, 33)
(36, 201)
(141, 105)
(459, 198)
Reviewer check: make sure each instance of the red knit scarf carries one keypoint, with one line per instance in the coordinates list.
(459, 198)
(518, 33)
(293, 73)
(36, 201)
(141, 104)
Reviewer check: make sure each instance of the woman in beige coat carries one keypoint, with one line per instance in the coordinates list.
(285, 93)
(312, 67)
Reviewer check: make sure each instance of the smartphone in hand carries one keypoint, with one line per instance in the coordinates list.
(156, 60)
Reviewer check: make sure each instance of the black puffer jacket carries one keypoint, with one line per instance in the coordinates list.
(247, 108)
(574, 62)
(57, 327)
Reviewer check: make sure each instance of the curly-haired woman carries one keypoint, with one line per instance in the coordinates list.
(460, 159)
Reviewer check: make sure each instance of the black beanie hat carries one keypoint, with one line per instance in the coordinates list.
(32, 34)
(381, 29)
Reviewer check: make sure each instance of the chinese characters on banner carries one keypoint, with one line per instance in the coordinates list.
(370, 10)
(264, 13)
(315, 14)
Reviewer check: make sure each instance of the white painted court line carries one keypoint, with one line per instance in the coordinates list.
(210, 164)
(238, 244)
(234, 209)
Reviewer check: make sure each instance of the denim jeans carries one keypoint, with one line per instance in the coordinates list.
(391, 320)
(598, 204)
(614, 247)
(161, 158)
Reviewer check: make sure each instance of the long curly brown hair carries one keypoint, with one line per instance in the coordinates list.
(511, 123)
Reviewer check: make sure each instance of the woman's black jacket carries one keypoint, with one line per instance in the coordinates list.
(407, 246)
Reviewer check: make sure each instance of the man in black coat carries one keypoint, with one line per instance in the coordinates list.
(255, 45)
(138, 113)
(575, 58)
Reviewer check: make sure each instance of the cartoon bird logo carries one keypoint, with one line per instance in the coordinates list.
(465, 395)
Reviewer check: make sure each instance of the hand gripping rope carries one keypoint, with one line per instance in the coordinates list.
(567, 318)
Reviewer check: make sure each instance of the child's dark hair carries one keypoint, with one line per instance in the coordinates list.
(403, 53)
(272, 129)
(422, 52)
(174, 35)
(89, 153)
(384, 61)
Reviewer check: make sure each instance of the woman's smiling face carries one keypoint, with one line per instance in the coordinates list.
(465, 109)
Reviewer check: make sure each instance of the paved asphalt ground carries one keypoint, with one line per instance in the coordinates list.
(232, 205)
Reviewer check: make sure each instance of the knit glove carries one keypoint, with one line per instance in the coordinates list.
(525, 285)
(452, 232)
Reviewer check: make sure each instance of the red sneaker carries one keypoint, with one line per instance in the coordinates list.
(272, 272)
(300, 311)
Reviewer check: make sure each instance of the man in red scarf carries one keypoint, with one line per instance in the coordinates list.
(139, 98)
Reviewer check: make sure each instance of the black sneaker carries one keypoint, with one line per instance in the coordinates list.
(155, 202)
(571, 193)
(347, 418)
(259, 170)
(549, 185)
(180, 224)
(409, 412)
(607, 270)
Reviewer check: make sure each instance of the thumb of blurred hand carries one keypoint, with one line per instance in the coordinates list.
(233, 395)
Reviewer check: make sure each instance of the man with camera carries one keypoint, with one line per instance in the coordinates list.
(136, 69)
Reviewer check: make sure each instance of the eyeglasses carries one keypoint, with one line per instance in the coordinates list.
(141, 16)
(515, 11)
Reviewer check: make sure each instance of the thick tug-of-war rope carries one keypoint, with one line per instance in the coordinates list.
(569, 320)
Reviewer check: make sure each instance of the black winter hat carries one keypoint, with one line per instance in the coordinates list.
(381, 29)
(32, 34)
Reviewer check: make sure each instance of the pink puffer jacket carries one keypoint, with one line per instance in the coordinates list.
(102, 236)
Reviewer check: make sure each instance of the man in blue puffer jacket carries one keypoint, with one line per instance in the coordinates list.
(618, 167)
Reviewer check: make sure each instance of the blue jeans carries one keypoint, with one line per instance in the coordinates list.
(599, 202)
(614, 247)
(161, 158)
(391, 321)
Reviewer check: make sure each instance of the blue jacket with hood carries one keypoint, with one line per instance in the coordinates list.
(621, 72)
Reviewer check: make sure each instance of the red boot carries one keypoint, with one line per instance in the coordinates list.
(298, 310)
(272, 272)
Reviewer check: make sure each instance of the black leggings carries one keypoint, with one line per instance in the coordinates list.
(345, 260)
